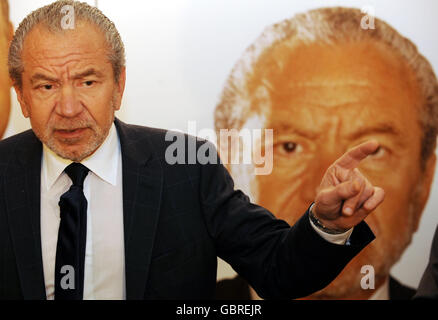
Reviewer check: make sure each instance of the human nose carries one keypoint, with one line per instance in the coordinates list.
(317, 168)
(68, 106)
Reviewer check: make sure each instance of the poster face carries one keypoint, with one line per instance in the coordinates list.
(325, 81)
(321, 79)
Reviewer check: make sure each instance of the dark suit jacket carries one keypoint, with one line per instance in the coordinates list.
(428, 287)
(238, 289)
(177, 220)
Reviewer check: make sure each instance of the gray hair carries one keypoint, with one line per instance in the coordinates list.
(327, 26)
(50, 17)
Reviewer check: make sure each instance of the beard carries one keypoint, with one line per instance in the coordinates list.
(97, 137)
(75, 149)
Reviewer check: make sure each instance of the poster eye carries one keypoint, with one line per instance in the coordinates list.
(289, 147)
(380, 152)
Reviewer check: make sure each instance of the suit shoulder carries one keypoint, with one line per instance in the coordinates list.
(8, 145)
(161, 139)
(168, 146)
(16, 139)
(137, 133)
(143, 130)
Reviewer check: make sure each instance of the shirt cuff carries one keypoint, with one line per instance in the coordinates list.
(340, 239)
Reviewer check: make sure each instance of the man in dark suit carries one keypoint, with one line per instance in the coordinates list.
(92, 208)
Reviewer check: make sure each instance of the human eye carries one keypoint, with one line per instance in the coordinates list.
(89, 83)
(380, 153)
(45, 87)
(287, 147)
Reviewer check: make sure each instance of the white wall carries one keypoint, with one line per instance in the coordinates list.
(179, 54)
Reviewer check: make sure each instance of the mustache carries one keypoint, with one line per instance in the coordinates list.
(71, 124)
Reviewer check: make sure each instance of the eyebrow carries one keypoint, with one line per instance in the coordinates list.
(40, 76)
(282, 127)
(86, 73)
(382, 128)
(379, 128)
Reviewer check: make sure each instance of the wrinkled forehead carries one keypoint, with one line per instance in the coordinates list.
(363, 63)
(63, 55)
(320, 84)
(43, 41)
(331, 75)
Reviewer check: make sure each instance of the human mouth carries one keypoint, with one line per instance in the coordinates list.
(70, 133)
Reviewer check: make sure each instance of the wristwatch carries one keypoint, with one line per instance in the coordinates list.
(320, 225)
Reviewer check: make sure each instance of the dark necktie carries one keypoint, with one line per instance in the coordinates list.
(72, 237)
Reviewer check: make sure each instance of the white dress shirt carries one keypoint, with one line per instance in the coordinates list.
(105, 256)
(340, 239)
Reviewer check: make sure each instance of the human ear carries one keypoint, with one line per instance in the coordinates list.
(120, 87)
(23, 105)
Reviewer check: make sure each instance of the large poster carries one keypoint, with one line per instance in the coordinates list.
(322, 75)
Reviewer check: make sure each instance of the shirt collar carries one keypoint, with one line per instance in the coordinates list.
(103, 162)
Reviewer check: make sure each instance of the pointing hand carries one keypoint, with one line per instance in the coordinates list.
(345, 197)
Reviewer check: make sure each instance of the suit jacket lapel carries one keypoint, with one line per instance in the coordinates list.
(22, 194)
(142, 189)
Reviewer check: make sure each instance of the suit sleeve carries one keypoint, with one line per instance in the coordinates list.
(277, 260)
(428, 288)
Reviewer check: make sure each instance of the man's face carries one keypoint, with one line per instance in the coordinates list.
(324, 101)
(68, 91)
(5, 84)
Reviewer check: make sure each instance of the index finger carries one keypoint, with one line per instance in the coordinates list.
(353, 157)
